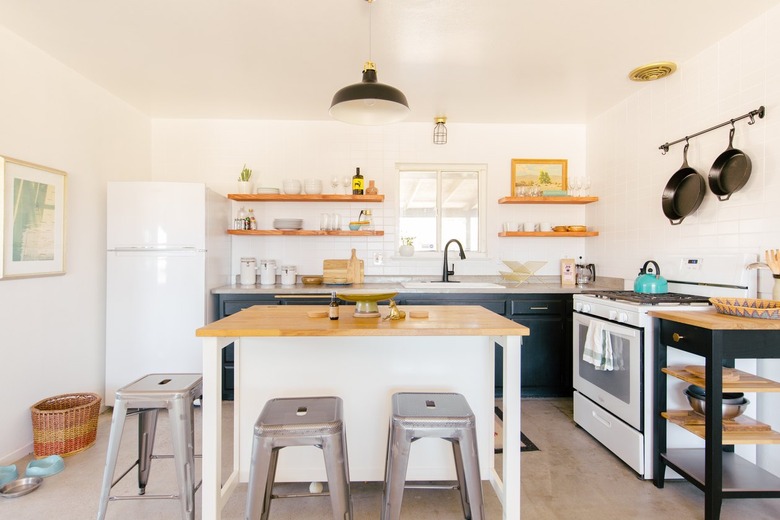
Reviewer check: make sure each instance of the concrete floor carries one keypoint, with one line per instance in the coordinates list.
(571, 477)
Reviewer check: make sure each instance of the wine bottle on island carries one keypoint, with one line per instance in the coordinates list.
(357, 183)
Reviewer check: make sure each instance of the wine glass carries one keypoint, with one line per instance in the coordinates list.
(347, 183)
(586, 186)
(334, 183)
(576, 185)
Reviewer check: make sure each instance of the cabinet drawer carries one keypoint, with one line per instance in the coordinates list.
(535, 307)
(685, 337)
(497, 306)
(233, 306)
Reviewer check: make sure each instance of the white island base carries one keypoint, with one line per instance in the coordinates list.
(364, 368)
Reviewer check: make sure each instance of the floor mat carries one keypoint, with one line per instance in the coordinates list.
(525, 442)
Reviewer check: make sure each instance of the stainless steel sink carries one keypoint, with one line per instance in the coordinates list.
(451, 285)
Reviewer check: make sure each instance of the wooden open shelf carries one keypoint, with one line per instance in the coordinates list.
(263, 197)
(742, 430)
(547, 200)
(556, 234)
(304, 232)
(747, 382)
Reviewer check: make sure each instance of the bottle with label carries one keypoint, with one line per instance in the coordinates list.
(251, 218)
(333, 308)
(357, 183)
(240, 218)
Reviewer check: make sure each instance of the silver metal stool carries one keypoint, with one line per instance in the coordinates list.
(299, 421)
(442, 415)
(144, 397)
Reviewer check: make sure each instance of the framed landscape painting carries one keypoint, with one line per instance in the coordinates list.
(532, 176)
(32, 205)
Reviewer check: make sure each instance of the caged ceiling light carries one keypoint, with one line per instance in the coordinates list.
(440, 131)
(369, 102)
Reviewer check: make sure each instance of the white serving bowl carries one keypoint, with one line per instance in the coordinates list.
(313, 186)
(291, 186)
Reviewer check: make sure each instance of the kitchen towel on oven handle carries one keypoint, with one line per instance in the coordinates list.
(598, 347)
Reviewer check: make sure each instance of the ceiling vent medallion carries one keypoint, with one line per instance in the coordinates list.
(652, 71)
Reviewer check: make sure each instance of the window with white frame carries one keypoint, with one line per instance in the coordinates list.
(439, 202)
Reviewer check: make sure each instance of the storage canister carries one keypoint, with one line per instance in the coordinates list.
(288, 274)
(248, 275)
(267, 272)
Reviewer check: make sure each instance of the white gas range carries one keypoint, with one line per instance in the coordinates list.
(615, 406)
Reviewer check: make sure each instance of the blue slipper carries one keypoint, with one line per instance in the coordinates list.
(45, 467)
(8, 474)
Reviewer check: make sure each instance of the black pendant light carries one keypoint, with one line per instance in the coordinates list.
(369, 102)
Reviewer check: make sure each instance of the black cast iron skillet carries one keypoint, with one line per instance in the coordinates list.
(683, 193)
(730, 171)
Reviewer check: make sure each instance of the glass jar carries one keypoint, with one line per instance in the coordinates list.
(267, 272)
(288, 274)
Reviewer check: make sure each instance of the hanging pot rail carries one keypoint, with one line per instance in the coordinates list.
(760, 111)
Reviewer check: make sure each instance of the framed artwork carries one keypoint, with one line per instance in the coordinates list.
(531, 176)
(32, 205)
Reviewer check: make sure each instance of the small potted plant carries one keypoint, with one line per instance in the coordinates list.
(407, 246)
(244, 186)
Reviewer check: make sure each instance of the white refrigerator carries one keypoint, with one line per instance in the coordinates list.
(167, 248)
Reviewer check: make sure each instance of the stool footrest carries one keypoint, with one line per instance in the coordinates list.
(432, 485)
(115, 498)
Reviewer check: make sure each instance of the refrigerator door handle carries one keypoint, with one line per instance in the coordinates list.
(152, 249)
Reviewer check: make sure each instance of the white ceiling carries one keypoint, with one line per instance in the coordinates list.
(491, 61)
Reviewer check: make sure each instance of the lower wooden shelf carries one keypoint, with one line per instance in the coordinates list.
(740, 477)
(304, 233)
(557, 234)
(742, 430)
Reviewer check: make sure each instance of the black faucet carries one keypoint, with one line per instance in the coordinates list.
(445, 275)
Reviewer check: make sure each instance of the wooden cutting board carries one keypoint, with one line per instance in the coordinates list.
(335, 271)
(355, 269)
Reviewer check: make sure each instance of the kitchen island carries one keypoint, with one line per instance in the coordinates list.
(283, 352)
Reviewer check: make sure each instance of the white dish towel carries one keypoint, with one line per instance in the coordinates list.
(598, 347)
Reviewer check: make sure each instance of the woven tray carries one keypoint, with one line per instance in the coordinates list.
(64, 424)
(748, 307)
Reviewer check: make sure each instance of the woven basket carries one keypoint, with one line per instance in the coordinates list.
(64, 424)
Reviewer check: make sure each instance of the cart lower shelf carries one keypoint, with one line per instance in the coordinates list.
(741, 478)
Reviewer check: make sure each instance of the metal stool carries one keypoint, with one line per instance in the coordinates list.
(443, 415)
(301, 421)
(144, 397)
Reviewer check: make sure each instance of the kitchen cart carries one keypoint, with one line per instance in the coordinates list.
(719, 339)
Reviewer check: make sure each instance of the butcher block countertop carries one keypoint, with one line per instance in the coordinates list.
(294, 320)
(712, 320)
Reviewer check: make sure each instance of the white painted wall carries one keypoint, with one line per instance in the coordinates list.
(53, 329)
(215, 152)
(734, 76)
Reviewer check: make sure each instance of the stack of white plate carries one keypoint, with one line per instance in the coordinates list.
(288, 223)
(268, 191)
(312, 186)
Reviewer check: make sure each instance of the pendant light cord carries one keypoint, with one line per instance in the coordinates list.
(370, 24)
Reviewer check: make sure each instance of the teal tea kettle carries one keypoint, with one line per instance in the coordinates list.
(650, 283)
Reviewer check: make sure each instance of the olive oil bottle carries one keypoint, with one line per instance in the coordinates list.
(333, 308)
(357, 183)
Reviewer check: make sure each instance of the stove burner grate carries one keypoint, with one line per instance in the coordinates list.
(649, 299)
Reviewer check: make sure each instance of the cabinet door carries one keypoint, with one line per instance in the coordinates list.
(541, 356)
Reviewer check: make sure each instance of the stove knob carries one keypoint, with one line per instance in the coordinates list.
(585, 307)
(622, 317)
(613, 315)
(578, 306)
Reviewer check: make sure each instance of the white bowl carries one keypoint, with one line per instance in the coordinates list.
(292, 186)
(313, 187)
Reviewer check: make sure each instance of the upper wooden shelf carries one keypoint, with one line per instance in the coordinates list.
(547, 200)
(305, 232)
(747, 382)
(257, 197)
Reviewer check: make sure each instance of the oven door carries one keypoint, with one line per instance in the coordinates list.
(618, 391)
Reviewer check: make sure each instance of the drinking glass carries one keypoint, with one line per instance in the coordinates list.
(335, 222)
(586, 186)
(347, 183)
(334, 183)
(576, 185)
(324, 222)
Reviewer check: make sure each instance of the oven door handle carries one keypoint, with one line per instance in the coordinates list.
(600, 419)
